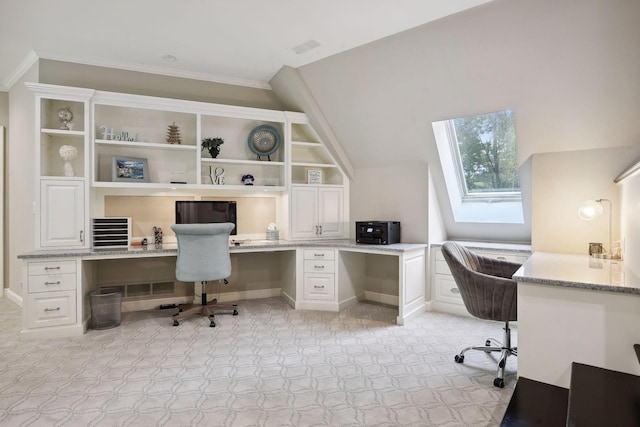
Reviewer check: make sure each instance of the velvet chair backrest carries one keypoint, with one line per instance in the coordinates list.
(203, 251)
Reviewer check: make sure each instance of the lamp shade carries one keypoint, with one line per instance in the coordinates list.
(590, 209)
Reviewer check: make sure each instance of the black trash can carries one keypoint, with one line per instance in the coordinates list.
(106, 309)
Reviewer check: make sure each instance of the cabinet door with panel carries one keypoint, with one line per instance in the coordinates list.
(62, 213)
(317, 212)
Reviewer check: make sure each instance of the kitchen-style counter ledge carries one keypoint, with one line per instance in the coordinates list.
(171, 249)
(578, 271)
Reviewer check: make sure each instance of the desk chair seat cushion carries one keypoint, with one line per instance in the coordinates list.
(485, 284)
(203, 251)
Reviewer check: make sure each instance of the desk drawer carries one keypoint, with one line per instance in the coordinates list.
(313, 266)
(447, 290)
(51, 309)
(319, 254)
(319, 286)
(51, 267)
(52, 282)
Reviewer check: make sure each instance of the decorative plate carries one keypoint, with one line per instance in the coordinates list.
(264, 140)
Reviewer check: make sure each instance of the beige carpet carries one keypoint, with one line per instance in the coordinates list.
(269, 366)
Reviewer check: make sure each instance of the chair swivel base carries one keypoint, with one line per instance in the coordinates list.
(505, 351)
(204, 310)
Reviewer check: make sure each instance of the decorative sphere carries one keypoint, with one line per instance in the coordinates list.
(65, 116)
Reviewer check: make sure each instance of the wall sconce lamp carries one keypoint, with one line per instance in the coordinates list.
(590, 210)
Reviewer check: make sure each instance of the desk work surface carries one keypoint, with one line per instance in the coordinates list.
(578, 271)
(171, 249)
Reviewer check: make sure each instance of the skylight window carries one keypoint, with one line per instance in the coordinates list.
(479, 161)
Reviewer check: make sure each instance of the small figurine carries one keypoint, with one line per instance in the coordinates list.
(248, 179)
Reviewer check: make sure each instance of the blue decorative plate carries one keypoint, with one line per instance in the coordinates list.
(264, 140)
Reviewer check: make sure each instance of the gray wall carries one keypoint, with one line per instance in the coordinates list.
(569, 69)
(113, 80)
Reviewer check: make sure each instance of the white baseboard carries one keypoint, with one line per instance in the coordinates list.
(289, 299)
(381, 298)
(13, 297)
(347, 303)
(150, 304)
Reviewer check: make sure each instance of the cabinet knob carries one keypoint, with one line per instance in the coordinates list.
(52, 283)
(51, 309)
(455, 290)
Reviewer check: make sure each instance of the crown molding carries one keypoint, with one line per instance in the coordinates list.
(22, 68)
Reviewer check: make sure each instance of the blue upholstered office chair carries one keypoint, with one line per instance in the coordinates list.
(203, 256)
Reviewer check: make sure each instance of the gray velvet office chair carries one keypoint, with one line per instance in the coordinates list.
(203, 256)
(488, 292)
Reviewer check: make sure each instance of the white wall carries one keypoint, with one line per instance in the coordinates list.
(20, 176)
(630, 221)
(562, 182)
(378, 194)
(569, 70)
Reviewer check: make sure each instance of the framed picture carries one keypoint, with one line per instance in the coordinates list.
(129, 169)
(314, 176)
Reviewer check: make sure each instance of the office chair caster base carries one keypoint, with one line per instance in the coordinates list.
(176, 323)
(212, 324)
(459, 358)
(498, 382)
(235, 312)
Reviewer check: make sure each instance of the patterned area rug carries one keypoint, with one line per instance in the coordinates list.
(269, 366)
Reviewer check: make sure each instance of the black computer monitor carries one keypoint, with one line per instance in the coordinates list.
(206, 211)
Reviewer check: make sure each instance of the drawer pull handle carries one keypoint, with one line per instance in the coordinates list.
(46, 310)
(318, 255)
(52, 283)
(318, 287)
(455, 290)
(318, 267)
(501, 258)
(52, 268)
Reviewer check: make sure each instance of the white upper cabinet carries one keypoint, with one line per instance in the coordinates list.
(61, 152)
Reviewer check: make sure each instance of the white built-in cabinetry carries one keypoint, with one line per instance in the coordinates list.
(319, 278)
(52, 296)
(445, 294)
(317, 212)
(107, 126)
(61, 192)
(62, 213)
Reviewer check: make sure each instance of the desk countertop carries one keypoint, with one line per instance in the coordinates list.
(578, 271)
(492, 246)
(171, 249)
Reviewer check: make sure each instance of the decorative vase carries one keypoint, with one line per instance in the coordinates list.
(68, 153)
(214, 151)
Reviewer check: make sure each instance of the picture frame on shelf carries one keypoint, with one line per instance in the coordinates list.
(129, 169)
(314, 176)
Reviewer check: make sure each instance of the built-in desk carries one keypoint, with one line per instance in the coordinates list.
(56, 283)
(575, 308)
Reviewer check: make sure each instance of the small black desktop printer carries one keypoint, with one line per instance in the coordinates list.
(378, 232)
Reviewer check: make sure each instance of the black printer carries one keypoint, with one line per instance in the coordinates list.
(378, 232)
